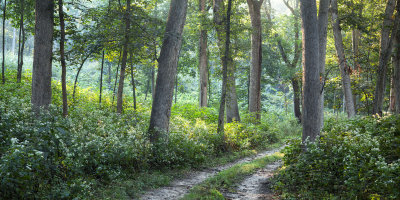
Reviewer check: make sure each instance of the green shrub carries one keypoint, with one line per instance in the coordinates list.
(355, 159)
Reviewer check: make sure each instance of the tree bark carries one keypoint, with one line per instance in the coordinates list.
(311, 70)
(384, 55)
(232, 110)
(322, 29)
(218, 9)
(167, 68)
(116, 77)
(203, 58)
(22, 44)
(133, 85)
(345, 69)
(101, 77)
(124, 58)
(62, 58)
(256, 59)
(396, 74)
(4, 40)
(42, 57)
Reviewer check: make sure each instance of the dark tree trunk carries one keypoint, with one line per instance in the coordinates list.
(218, 8)
(311, 70)
(22, 44)
(296, 98)
(4, 51)
(232, 110)
(124, 58)
(256, 59)
(62, 57)
(116, 77)
(203, 58)
(42, 57)
(322, 29)
(167, 67)
(396, 74)
(133, 85)
(101, 77)
(384, 55)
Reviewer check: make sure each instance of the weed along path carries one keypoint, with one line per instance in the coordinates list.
(256, 186)
(180, 187)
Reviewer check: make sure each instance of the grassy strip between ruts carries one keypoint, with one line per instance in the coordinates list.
(229, 178)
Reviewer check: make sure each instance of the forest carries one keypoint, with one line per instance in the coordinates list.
(201, 99)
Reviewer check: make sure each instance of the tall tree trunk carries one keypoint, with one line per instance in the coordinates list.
(62, 58)
(101, 77)
(392, 100)
(124, 58)
(218, 9)
(22, 46)
(4, 40)
(116, 76)
(19, 52)
(133, 85)
(14, 40)
(322, 30)
(311, 70)
(293, 64)
(203, 57)
(167, 67)
(256, 58)
(396, 73)
(384, 55)
(41, 74)
(232, 110)
(344, 68)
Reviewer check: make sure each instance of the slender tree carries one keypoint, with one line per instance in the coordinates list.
(256, 58)
(203, 57)
(384, 55)
(42, 56)
(62, 58)
(21, 45)
(124, 58)
(232, 109)
(167, 67)
(311, 70)
(225, 60)
(322, 32)
(3, 43)
(133, 84)
(344, 67)
(101, 76)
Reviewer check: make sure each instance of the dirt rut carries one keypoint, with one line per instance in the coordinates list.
(256, 186)
(180, 187)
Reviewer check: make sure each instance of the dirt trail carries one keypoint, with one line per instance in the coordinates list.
(179, 188)
(256, 186)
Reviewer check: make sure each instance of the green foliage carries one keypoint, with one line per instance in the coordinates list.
(353, 159)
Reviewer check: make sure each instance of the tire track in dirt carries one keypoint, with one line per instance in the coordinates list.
(180, 187)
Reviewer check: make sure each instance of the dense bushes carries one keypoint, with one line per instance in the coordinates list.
(353, 159)
(51, 157)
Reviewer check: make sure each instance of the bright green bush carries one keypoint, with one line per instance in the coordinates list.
(354, 159)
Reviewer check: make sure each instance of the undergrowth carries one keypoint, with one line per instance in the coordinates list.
(47, 156)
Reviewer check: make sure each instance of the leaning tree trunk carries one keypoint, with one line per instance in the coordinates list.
(124, 58)
(42, 56)
(311, 70)
(4, 51)
(203, 57)
(62, 57)
(256, 59)
(344, 68)
(167, 67)
(384, 56)
(77, 76)
(322, 30)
